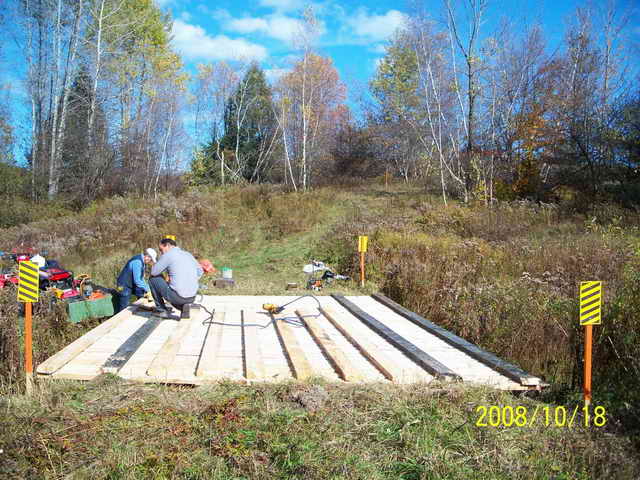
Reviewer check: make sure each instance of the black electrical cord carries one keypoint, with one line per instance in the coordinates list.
(281, 308)
(200, 305)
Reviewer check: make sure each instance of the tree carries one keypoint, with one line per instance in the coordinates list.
(308, 98)
(214, 86)
(395, 87)
(249, 125)
(86, 153)
(7, 137)
(53, 33)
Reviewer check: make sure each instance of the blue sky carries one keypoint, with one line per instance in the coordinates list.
(353, 34)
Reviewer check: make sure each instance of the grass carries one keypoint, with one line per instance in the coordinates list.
(112, 429)
(505, 278)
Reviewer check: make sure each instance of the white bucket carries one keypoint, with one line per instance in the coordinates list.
(227, 273)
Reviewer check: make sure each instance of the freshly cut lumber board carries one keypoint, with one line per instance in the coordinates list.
(379, 359)
(314, 337)
(422, 358)
(253, 363)
(64, 356)
(121, 356)
(340, 362)
(469, 369)
(275, 363)
(138, 364)
(301, 367)
(160, 365)
(507, 369)
(207, 363)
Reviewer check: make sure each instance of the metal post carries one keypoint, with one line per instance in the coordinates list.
(28, 349)
(588, 341)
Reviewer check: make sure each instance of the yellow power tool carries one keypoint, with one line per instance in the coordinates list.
(274, 309)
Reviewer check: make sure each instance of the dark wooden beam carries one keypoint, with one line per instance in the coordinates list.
(121, 356)
(424, 360)
(505, 368)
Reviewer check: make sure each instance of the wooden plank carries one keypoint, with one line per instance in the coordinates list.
(420, 357)
(379, 359)
(64, 356)
(338, 359)
(207, 363)
(253, 363)
(299, 363)
(138, 364)
(122, 355)
(162, 363)
(505, 368)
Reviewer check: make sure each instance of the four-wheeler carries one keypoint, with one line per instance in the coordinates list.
(83, 299)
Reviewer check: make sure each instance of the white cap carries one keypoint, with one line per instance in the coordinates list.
(152, 253)
(39, 260)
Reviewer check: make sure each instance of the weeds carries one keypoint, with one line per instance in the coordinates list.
(503, 277)
(114, 429)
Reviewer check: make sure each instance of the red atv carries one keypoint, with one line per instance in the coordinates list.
(56, 276)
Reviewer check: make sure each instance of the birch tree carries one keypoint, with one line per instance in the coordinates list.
(310, 94)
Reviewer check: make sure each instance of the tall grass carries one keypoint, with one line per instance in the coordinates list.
(507, 278)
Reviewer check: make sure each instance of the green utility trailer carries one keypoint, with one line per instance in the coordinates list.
(79, 310)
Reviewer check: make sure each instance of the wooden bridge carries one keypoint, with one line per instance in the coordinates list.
(342, 339)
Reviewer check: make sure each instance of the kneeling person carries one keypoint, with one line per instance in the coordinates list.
(184, 272)
(131, 279)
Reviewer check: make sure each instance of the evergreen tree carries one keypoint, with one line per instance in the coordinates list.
(248, 125)
(80, 167)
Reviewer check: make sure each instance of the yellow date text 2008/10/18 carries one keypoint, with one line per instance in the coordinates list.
(548, 416)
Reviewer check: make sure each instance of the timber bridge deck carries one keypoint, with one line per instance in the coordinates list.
(343, 339)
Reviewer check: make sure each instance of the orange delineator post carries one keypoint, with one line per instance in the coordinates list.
(362, 269)
(588, 341)
(28, 349)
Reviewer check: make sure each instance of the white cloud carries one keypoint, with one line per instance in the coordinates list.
(274, 74)
(247, 25)
(186, 16)
(282, 5)
(193, 42)
(375, 27)
(276, 25)
(379, 48)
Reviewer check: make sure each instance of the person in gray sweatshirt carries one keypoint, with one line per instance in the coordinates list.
(184, 272)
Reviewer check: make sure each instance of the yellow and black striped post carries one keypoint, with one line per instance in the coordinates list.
(28, 282)
(28, 292)
(590, 315)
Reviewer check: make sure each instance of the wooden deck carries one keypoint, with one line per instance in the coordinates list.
(344, 339)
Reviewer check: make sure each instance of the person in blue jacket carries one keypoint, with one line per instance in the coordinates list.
(131, 278)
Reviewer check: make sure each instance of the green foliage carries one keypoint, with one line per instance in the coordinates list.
(395, 84)
(203, 168)
(503, 191)
(250, 105)
(6, 139)
(14, 181)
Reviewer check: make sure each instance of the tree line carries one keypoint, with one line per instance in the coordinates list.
(471, 112)
(105, 94)
(507, 116)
